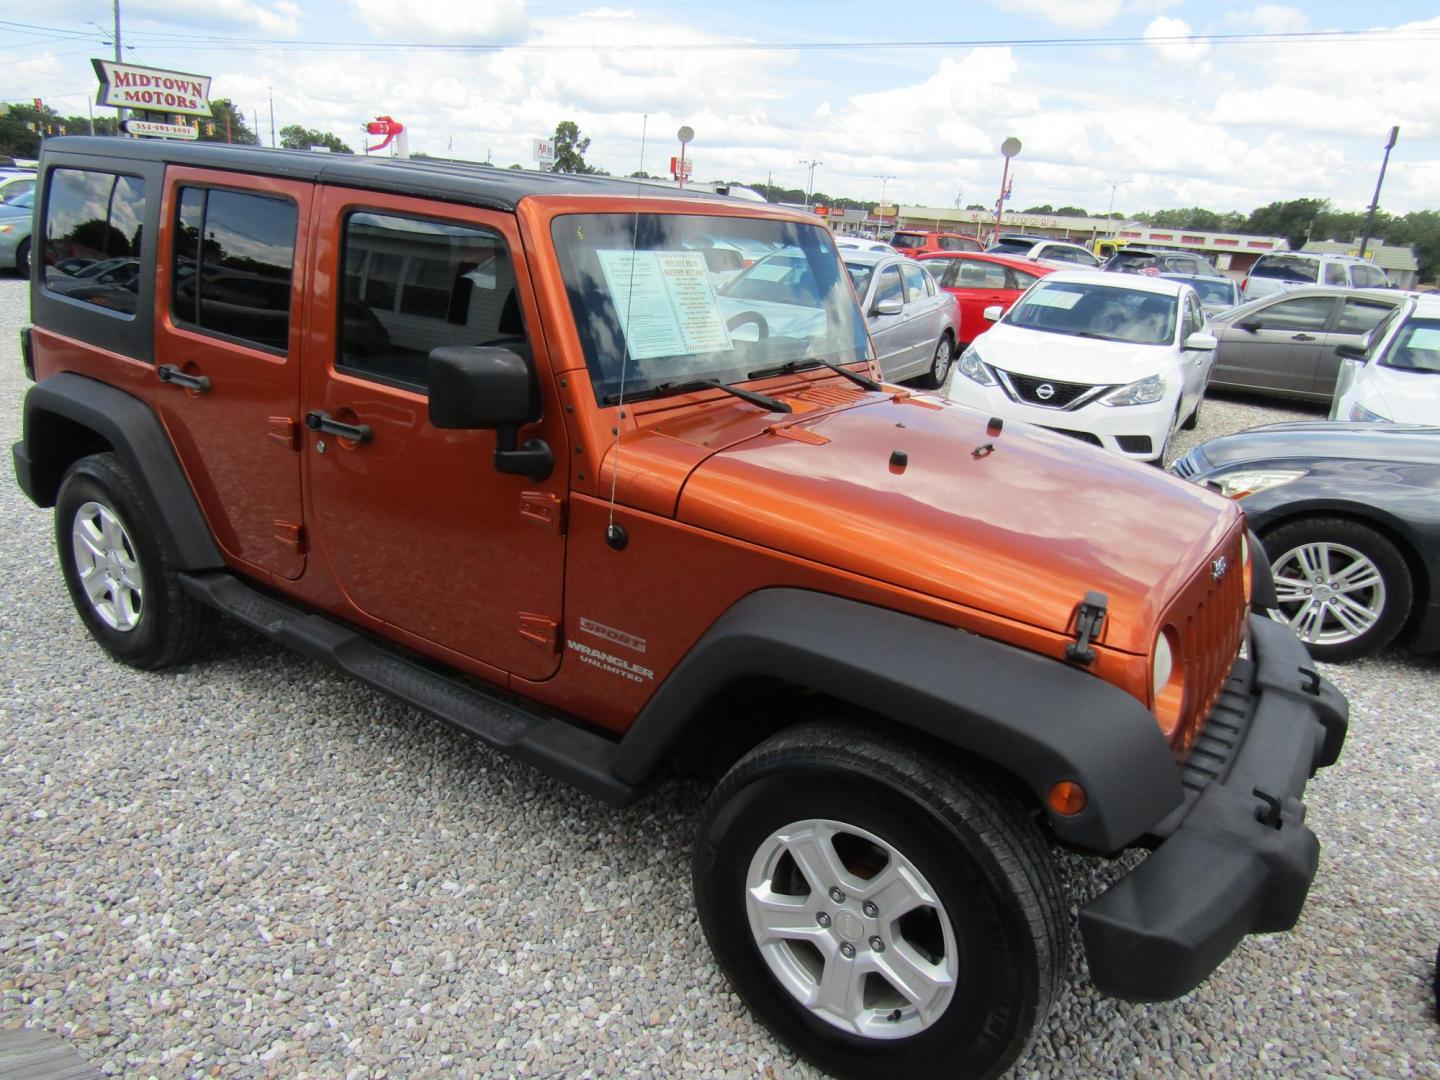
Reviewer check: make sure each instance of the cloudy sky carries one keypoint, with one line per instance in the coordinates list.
(1222, 104)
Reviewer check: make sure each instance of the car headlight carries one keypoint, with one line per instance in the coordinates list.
(1359, 412)
(1243, 482)
(972, 367)
(1145, 392)
(1167, 680)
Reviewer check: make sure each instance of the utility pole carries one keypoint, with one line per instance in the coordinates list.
(119, 113)
(810, 186)
(1109, 214)
(1375, 202)
(272, 118)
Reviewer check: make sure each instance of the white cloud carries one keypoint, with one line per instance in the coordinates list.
(282, 18)
(473, 22)
(1162, 33)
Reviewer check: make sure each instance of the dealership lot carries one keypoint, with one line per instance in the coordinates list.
(256, 865)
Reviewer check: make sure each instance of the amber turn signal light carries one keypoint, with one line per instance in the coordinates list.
(1066, 798)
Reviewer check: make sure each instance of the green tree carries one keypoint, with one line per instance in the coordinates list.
(570, 149)
(227, 125)
(295, 137)
(1043, 208)
(1294, 220)
(977, 206)
(1072, 211)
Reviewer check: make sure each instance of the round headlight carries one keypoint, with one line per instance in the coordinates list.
(1168, 681)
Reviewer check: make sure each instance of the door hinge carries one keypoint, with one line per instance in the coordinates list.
(540, 630)
(291, 535)
(544, 509)
(283, 430)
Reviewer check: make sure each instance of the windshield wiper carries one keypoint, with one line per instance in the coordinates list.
(795, 365)
(763, 400)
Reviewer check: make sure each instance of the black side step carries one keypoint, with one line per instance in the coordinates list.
(562, 749)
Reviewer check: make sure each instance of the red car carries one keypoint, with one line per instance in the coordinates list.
(980, 280)
(917, 242)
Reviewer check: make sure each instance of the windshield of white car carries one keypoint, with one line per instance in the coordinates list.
(684, 308)
(1415, 348)
(1083, 309)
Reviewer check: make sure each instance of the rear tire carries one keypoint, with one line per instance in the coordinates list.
(826, 839)
(1194, 418)
(125, 590)
(22, 259)
(935, 378)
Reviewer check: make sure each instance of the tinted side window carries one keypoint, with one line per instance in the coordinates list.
(1335, 274)
(914, 283)
(413, 285)
(93, 218)
(234, 254)
(890, 287)
(973, 274)
(1300, 313)
(1020, 279)
(1360, 316)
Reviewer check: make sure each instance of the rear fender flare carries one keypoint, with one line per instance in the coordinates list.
(69, 416)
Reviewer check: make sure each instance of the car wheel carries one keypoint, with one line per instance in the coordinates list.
(884, 912)
(934, 379)
(1194, 418)
(22, 259)
(1344, 588)
(126, 591)
(1164, 455)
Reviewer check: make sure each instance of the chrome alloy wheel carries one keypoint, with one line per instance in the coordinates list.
(1329, 593)
(105, 560)
(851, 928)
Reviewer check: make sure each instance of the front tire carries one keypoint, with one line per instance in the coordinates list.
(883, 911)
(22, 259)
(125, 590)
(1344, 588)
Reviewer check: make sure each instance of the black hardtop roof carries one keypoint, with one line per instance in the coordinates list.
(455, 181)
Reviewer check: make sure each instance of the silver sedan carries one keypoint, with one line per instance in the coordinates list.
(913, 322)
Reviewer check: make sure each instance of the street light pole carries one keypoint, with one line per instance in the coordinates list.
(884, 179)
(810, 185)
(1110, 214)
(1375, 202)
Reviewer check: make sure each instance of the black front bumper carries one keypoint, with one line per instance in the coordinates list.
(1236, 858)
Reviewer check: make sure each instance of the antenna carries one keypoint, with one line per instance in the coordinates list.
(615, 535)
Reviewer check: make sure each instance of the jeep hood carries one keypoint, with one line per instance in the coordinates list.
(1020, 525)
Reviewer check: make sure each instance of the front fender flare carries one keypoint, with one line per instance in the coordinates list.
(1037, 718)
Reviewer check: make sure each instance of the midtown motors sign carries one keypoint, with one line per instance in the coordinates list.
(126, 86)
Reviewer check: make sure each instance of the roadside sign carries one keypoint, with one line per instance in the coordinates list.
(676, 169)
(126, 86)
(543, 151)
(161, 131)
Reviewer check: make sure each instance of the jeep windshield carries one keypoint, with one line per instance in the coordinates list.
(1082, 309)
(666, 300)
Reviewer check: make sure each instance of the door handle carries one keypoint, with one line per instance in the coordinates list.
(1301, 337)
(320, 421)
(169, 373)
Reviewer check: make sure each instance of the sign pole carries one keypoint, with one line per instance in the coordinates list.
(1010, 147)
(685, 134)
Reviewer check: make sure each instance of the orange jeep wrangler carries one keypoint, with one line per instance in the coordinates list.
(538, 455)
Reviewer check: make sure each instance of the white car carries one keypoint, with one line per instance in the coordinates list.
(1397, 377)
(861, 244)
(1115, 360)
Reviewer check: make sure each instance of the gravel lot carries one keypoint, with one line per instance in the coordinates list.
(254, 867)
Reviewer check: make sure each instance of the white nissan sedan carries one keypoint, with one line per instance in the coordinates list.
(1395, 377)
(1117, 361)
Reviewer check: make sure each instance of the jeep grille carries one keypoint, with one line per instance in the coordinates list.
(1209, 616)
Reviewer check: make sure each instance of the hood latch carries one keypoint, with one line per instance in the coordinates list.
(1087, 627)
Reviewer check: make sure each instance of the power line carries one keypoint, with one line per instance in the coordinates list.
(1311, 37)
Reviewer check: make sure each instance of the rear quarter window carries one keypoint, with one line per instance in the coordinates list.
(93, 217)
(1287, 268)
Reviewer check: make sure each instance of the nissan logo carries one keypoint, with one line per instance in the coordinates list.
(1045, 391)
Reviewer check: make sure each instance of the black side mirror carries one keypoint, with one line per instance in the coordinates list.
(486, 387)
(1249, 324)
(1350, 351)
